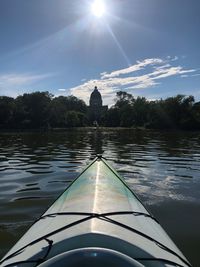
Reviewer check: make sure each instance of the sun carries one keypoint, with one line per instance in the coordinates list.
(98, 8)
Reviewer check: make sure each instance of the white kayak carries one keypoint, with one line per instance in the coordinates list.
(97, 221)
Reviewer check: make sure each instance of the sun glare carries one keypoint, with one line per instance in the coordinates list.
(98, 8)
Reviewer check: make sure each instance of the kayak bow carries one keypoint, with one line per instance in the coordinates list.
(96, 221)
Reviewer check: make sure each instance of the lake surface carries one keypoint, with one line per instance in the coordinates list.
(163, 169)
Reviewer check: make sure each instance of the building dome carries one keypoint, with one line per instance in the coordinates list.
(95, 98)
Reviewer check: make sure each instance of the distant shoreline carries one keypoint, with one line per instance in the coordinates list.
(103, 128)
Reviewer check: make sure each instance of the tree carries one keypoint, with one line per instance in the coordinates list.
(32, 110)
(60, 108)
(140, 111)
(74, 119)
(123, 99)
(6, 111)
(112, 117)
(157, 116)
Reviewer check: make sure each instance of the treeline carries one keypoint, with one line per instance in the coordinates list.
(179, 112)
(40, 110)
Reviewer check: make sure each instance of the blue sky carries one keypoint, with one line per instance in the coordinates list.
(145, 47)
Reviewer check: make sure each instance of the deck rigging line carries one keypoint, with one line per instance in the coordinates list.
(89, 216)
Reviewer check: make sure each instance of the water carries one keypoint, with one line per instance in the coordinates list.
(162, 168)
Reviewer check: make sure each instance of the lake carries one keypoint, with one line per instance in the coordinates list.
(162, 168)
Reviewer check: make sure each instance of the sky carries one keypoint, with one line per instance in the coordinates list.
(148, 48)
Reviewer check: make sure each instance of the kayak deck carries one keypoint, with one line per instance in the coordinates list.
(97, 210)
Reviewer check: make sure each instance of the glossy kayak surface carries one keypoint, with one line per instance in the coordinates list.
(98, 220)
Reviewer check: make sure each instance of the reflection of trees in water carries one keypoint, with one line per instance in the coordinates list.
(96, 140)
(114, 140)
(121, 143)
(177, 143)
(132, 143)
(45, 144)
(127, 142)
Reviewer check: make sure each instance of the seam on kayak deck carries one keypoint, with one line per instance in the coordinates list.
(135, 213)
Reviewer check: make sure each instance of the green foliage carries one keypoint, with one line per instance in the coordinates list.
(41, 110)
(32, 110)
(112, 117)
(123, 99)
(179, 112)
(6, 111)
(67, 111)
(74, 119)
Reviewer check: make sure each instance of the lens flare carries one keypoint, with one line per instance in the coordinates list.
(98, 8)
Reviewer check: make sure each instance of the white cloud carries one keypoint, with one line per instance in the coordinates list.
(144, 74)
(195, 75)
(162, 66)
(12, 84)
(140, 65)
(175, 58)
(170, 58)
(171, 71)
(20, 79)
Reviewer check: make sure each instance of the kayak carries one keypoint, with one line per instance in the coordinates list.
(96, 221)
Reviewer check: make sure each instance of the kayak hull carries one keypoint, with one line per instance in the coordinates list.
(97, 210)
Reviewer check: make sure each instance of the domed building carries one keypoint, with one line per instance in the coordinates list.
(96, 108)
(95, 98)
